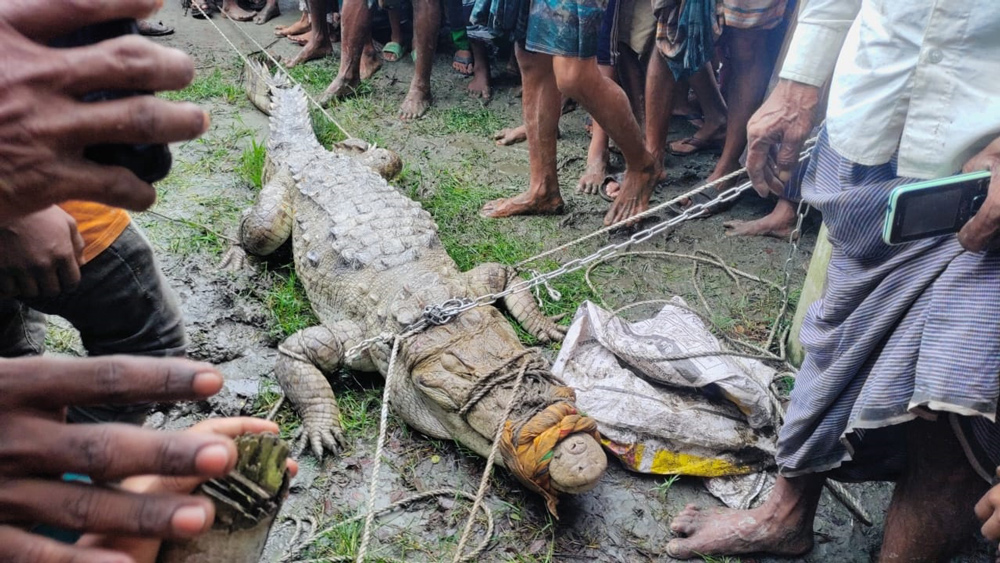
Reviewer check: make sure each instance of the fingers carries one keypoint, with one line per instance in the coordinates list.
(106, 452)
(760, 167)
(134, 120)
(92, 508)
(18, 545)
(235, 426)
(78, 178)
(125, 63)
(104, 380)
(42, 21)
(984, 508)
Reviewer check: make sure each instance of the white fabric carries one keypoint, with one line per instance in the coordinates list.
(922, 76)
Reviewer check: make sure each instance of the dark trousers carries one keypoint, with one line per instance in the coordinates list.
(123, 305)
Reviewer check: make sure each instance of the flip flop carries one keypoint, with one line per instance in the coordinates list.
(462, 61)
(698, 145)
(207, 6)
(701, 198)
(154, 29)
(394, 49)
(603, 190)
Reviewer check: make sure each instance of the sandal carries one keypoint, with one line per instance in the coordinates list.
(153, 29)
(394, 49)
(702, 198)
(603, 190)
(697, 145)
(204, 9)
(468, 61)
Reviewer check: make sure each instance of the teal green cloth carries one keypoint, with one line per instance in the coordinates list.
(695, 28)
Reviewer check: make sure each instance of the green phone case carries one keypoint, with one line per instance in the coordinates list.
(900, 191)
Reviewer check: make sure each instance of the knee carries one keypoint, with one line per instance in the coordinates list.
(745, 45)
(572, 79)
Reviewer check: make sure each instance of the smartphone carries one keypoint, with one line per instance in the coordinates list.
(935, 207)
(149, 162)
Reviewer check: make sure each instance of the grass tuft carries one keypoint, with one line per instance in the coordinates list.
(287, 302)
(216, 85)
(251, 165)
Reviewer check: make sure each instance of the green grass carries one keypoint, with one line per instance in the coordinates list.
(218, 84)
(359, 411)
(251, 164)
(663, 489)
(287, 302)
(480, 122)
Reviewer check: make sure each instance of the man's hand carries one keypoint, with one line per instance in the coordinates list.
(44, 128)
(37, 448)
(988, 512)
(42, 255)
(982, 232)
(786, 118)
(144, 550)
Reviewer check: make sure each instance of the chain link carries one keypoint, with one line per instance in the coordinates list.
(436, 315)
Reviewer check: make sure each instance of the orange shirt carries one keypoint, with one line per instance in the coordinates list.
(99, 225)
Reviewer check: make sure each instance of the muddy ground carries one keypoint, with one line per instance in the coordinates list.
(452, 167)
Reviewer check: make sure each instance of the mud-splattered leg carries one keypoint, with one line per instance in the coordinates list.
(493, 278)
(304, 357)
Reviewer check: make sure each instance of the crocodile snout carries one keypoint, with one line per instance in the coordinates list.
(578, 462)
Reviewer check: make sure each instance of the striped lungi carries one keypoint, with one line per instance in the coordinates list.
(901, 331)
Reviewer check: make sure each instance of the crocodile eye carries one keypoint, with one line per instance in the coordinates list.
(453, 364)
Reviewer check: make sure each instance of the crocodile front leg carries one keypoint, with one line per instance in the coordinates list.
(303, 358)
(268, 224)
(494, 278)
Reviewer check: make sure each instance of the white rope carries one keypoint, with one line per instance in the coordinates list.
(280, 67)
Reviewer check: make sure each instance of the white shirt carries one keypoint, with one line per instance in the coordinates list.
(922, 76)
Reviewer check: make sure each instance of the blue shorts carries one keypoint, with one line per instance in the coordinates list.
(565, 28)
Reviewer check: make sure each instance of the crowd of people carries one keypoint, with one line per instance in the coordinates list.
(902, 374)
(713, 64)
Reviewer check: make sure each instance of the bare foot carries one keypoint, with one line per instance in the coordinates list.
(340, 88)
(633, 197)
(269, 12)
(523, 204)
(236, 13)
(296, 28)
(301, 38)
(593, 178)
(737, 532)
(370, 62)
(312, 51)
(511, 136)
(778, 223)
(415, 105)
(480, 85)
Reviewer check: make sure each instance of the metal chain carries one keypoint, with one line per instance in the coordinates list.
(445, 312)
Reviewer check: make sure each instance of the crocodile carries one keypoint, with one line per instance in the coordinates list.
(370, 261)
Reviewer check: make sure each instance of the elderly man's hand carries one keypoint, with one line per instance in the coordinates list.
(785, 119)
(44, 128)
(982, 232)
(37, 448)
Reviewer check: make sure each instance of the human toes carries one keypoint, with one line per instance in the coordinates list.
(681, 549)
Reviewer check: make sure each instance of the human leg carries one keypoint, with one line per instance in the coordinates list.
(22, 330)
(661, 91)
(318, 45)
(931, 514)
(480, 86)
(597, 154)
(298, 27)
(356, 28)
(751, 64)
(780, 526)
(267, 13)
(714, 114)
(393, 50)
(124, 278)
(779, 223)
(540, 104)
(581, 80)
(426, 21)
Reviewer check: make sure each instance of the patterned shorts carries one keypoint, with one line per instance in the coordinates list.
(566, 28)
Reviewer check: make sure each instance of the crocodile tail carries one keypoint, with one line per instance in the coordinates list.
(258, 80)
(291, 124)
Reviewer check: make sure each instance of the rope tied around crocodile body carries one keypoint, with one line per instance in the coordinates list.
(538, 423)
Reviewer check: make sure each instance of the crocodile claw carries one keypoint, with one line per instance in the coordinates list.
(234, 260)
(319, 435)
